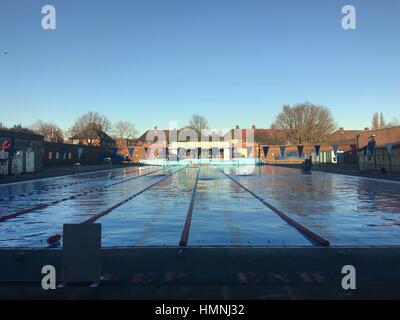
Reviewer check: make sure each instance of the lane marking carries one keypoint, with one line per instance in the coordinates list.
(308, 234)
(45, 205)
(31, 193)
(59, 177)
(119, 204)
(186, 228)
(107, 211)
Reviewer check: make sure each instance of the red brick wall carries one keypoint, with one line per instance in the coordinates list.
(308, 150)
(383, 136)
(138, 154)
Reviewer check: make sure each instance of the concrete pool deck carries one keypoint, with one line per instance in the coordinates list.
(211, 273)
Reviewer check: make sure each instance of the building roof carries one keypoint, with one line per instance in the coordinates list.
(344, 136)
(10, 133)
(101, 135)
(180, 134)
(265, 136)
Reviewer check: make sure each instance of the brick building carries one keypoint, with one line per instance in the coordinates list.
(386, 155)
(95, 138)
(382, 136)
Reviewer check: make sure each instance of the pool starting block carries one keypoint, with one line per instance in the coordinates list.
(81, 254)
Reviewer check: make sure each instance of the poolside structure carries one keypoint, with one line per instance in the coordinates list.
(384, 158)
(201, 153)
(24, 152)
(236, 147)
(194, 147)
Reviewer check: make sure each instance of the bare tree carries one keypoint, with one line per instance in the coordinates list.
(375, 121)
(272, 137)
(382, 122)
(394, 123)
(378, 121)
(198, 122)
(49, 130)
(305, 123)
(88, 126)
(125, 130)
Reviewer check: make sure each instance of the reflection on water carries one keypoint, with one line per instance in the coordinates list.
(345, 210)
(340, 208)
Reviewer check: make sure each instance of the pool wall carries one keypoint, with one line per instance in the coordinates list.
(200, 162)
(316, 273)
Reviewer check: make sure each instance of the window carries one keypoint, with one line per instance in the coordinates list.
(69, 155)
(50, 155)
(57, 155)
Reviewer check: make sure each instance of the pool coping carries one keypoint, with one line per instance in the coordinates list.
(307, 272)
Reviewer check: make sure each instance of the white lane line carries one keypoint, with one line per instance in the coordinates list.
(65, 176)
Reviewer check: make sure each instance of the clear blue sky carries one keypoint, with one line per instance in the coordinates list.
(234, 61)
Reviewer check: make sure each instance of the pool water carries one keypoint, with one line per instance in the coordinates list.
(345, 210)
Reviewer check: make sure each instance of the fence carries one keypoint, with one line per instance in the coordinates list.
(380, 160)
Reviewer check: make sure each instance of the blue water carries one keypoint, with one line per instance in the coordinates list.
(342, 209)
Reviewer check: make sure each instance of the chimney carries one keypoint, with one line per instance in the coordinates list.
(366, 129)
(253, 127)
(155, 128)
(341, 129)
(237, 126)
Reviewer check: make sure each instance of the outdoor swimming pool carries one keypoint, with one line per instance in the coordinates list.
(227, 208)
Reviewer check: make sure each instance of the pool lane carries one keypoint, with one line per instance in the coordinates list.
(346, 210)
(342, 209)
(154, 218)
(23, 188)
(157, 217)
(226, 214)
(307, 233)
(13, 191)
(186, 228)
(32, 230)
(11, 206)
